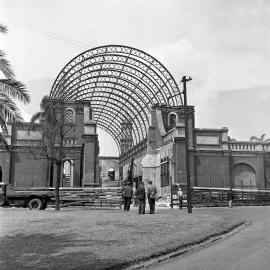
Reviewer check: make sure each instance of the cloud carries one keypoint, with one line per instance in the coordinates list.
(243, 111)
(181, 58)
(26, 116)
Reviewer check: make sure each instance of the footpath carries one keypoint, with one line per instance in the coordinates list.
(246, 249)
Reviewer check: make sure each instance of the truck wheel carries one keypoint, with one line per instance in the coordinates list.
(35, 204)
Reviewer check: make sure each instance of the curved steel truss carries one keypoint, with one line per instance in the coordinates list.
(122, 83)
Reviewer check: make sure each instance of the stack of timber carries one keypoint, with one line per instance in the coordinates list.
(94, 197)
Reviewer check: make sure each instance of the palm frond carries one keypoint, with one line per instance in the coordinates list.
(3, 28)
(32, 125)
(9, 108)
(3, 142)
(36, 116)
(14, 89)
(3, 123)
(5, 66)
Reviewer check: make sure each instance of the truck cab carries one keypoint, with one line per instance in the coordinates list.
(34, 198)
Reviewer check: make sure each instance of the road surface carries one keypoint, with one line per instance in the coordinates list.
(247, 249)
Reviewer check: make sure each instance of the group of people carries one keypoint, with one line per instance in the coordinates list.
(150, 193)
(141, 193)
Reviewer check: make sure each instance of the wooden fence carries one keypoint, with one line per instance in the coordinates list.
(202, 196)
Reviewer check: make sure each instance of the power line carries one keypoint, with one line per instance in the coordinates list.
(49, 34)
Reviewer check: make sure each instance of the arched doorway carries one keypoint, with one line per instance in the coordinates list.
(67, 180)
(243, 176)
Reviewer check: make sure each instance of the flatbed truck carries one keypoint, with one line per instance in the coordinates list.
(34, 198)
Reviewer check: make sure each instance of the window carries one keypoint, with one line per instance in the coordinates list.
(111, 174)
(69, 114)
(164, 172)
(172, 120)
(70, 141)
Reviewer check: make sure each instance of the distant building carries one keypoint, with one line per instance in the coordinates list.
(109, 171)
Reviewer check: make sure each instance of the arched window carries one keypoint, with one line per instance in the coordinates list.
(1, 174)
(69, 116)
(172, 119)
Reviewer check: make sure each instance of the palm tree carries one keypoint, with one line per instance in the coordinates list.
(10, 89)
(258, 139)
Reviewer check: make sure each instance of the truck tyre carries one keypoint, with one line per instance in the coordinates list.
(35, 204)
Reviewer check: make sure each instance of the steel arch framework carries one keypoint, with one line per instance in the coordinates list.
(122, 83)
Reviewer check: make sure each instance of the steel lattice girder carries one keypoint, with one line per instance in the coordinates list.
(122, 83)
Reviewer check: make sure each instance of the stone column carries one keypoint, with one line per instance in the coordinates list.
(90, 158)
(89, 161)
(180, 154)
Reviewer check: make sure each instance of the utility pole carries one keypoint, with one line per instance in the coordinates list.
(184, 81)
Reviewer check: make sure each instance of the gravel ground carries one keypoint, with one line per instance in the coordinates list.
(83, 238)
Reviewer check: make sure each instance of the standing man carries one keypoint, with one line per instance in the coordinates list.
(141, 196)
(230, 198)
(180, 197)
(127, 193)
(151, 194)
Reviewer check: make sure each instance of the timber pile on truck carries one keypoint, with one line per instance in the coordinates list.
(40, 198)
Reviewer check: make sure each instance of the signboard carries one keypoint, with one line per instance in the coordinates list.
(207, 140)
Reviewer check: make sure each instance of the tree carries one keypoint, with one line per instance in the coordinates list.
(259, 139)
(10, 89)
(51, 123)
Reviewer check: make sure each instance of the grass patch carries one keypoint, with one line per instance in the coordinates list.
(81, 238)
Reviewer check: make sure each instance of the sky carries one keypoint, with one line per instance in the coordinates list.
(223, 45)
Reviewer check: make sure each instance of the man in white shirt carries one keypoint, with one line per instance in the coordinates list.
(180, 197)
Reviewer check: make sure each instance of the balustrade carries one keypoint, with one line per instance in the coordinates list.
(249, 146)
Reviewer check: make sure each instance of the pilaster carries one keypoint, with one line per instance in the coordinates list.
(90, 158)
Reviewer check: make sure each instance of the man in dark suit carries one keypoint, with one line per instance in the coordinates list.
(127, 193)
(151, 194)
(141, 196)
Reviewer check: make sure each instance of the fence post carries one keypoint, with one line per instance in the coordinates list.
(222, 184)
(242, 184)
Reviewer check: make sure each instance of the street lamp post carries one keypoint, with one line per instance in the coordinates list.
(184, 81)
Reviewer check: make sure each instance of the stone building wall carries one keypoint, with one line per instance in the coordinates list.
(5, 165)
(23, 167)
(26, 171)
(213, 157)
